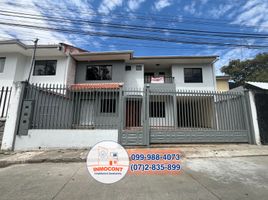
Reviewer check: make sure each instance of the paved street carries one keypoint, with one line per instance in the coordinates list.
(207, 178)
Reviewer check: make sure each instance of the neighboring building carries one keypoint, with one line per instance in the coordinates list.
(222, 83)
(76, 98)
(258, 92)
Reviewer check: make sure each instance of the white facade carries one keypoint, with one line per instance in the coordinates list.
(71, 68)
(208, 82)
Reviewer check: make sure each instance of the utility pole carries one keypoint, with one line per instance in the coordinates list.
(33, 59)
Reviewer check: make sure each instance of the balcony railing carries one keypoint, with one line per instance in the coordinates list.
(158, 79)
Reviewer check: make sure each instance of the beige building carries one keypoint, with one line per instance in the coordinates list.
(222, 83)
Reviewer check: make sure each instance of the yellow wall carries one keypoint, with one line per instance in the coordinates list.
(222, 85)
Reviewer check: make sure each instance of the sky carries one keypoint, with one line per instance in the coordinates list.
(235, 16)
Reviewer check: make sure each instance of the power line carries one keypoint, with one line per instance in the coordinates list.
(137, 37)
(139, 27)
(146, 16)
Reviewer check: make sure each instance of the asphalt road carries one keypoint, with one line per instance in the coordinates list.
(214, 178)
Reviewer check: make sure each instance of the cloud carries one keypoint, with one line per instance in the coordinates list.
(161, 4)
(107, 6)
(191, 8)
(28, 34)
(134, 4)
(253, 13)
(220, 10)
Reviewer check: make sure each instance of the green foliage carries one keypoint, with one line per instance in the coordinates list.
(248, 70)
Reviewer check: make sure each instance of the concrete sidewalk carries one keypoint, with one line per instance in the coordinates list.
(79, 155)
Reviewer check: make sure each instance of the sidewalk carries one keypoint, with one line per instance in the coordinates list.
(79, 155)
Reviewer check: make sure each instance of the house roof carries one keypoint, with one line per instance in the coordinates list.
(84, 86)
(260, 85)
(224, 77)
(61, 49)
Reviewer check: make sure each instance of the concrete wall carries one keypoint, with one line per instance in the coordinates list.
(8, 75)
(70, 71)
(17, 68)
(134, 78)
(222, 85)
(59, 78)
(208, 77)
(61, 138)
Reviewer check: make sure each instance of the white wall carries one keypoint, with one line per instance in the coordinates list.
(70, 71)
(17, 67)
(134, 78)
(59, 78)
(254, 118)
(208, 77)
(63, 138)
(8, 75)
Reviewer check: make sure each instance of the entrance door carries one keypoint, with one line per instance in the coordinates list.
(133, 112)
(86, 113)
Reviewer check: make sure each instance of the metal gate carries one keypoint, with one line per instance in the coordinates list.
(184, 117)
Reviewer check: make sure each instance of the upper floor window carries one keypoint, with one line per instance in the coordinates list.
(99, 72)
(2, 64)
(193, 75)
(45, 68)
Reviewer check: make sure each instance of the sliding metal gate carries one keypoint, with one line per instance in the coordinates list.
(155, 116)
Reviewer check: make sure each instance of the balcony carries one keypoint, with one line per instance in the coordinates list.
(158, 79)
(160, 82)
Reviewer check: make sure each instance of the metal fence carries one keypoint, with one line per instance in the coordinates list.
(5, 93)
(67, 107)
(193, 110)
(185, 117)
(142, 116)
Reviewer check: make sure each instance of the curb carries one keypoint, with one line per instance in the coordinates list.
(187, 155)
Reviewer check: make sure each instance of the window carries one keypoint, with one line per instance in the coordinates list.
(193, 75)
(2, 64)
(138, 67)
(99, 72)
(157, 109)
(45, 68)
(108, 106)
(128, 68)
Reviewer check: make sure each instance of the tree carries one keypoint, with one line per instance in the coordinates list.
(248, 70)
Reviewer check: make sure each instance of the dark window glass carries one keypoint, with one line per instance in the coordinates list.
(128, 68)
(193, 75)
(138, 67)
(157, 109)
(108, 105)
(161, 73)
(45, 68)
(99, 72)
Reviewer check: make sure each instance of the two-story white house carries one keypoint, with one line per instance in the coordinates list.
(118, 89)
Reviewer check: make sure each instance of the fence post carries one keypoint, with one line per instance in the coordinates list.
(12, 120)
(146, 129)
(175, 110)
(249, 118)
(120, 113)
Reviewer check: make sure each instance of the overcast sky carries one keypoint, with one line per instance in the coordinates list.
(247, 16)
